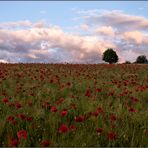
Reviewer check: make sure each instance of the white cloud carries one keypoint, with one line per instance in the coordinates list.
(30, 42)
(41, 42)
(106, 30)
(3, 61)
(84, 27)
(24, 23)
(135, 36)
(115, 18)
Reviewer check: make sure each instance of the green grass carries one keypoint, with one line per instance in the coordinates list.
(25, 83)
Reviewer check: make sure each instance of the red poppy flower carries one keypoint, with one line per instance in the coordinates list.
(46, 105)
(11, 104)
(29, 118)
(18, 105)
(63, 128)
(132, 110)
(99, 130)
(68, 84)
(79, 118)
(112, 136)
(73, 128)
(96, 113)
(73, 106)
(21, 116)
(110, 94)
(134, 100)
(113, 117)
(51, 81)
(45, 143)
(113, 125)
(14, 143)
(62, 99)
(22, 134)
(30, 103)
(99, 110)
(88, 93)
(98, 90)
(64, 112)
(53, 109)
(145, 131)
(59, 101)
(10, 118)
(5, 100)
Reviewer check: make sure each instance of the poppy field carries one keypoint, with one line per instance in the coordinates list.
(103, 105)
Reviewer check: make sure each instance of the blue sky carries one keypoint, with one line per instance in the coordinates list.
(76, 20)
(61, 13)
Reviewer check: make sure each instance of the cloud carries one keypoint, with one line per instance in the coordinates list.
(127, 32)
(24, 23)
(45, 43)
(84, 27)
(135, 36)
(3, 61)
(40, 24)
(114, 18)
(25, 41)
(106, 30)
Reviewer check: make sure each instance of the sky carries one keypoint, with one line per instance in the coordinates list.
(73, 32)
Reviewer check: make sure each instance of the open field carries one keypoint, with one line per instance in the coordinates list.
(73, 105)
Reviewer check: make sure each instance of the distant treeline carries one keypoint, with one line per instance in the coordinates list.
(110, 56)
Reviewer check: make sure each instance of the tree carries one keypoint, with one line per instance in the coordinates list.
(110, 56)
(127, 62)
(141, 59)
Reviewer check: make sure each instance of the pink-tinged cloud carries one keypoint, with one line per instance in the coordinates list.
(24, 23)
(3, 61)
(28, 43)
(105, 30)
(114, 18)
(40, 42)
(135, 36)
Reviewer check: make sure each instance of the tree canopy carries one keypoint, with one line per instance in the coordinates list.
(110, 56)
(141, 59)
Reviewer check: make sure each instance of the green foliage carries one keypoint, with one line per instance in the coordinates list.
(141, 59)
(110, 56)
(118, 86)
(127, 62)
